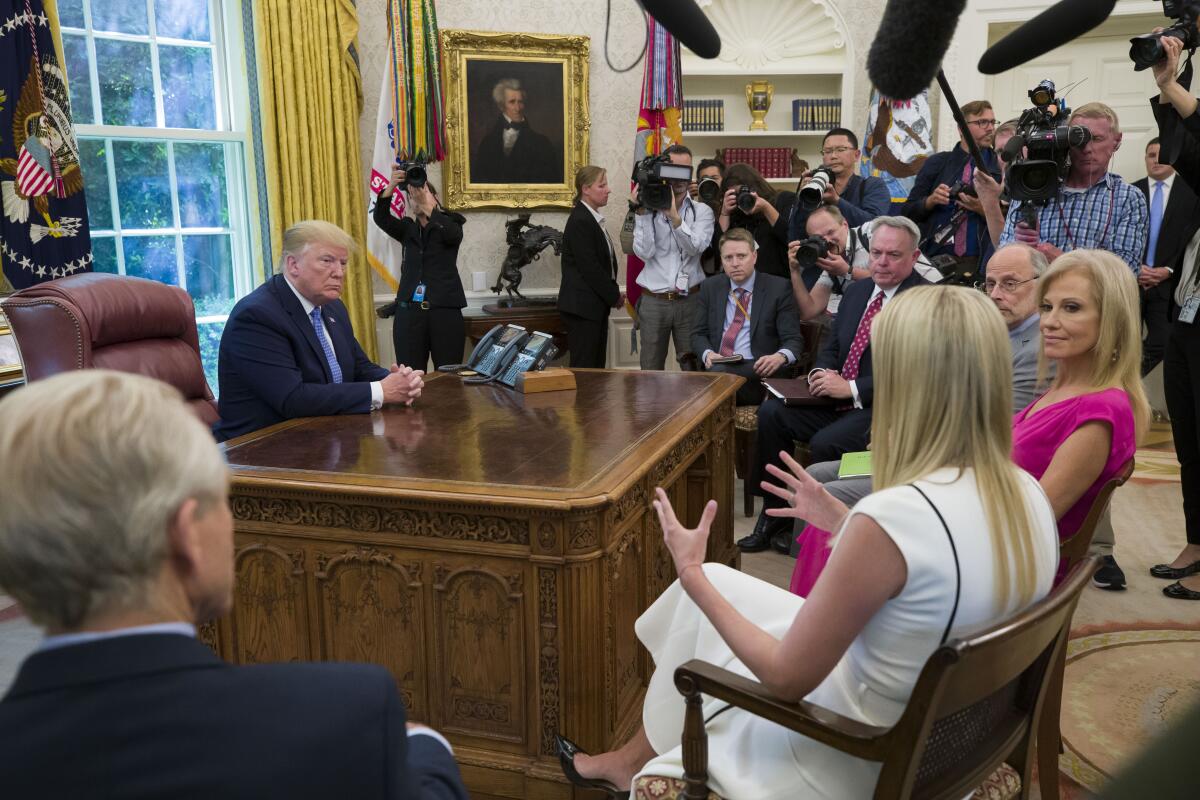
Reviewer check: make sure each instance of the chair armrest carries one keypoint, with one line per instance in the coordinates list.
(825, 726)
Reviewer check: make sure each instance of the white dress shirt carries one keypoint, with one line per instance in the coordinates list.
(612, 251)
(510, 136)
(669, 252)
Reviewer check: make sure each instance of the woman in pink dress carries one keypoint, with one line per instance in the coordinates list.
(1079, 434)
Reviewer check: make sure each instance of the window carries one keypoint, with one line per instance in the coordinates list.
(158, 97)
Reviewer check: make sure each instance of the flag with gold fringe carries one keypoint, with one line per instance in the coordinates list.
(43, 223)
(412, 121)
(658, 125)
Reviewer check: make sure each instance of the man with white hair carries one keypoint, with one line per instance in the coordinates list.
(116, 537)
(512, 152)
(288, 349)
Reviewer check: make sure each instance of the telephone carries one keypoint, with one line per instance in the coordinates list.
(495, 351)
(536, 351)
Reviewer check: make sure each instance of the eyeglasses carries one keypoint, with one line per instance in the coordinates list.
(983, 123)
(836, 151)
(1008, 285)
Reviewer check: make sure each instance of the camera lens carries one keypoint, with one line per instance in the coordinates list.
(709, 190)
(416, 176)
(745, 200)
(656, 196)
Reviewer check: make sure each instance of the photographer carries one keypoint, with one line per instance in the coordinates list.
(750, 202)
(1095, 208)
(859, 199)
(430, 299)
(706, 188)
(943, 195)
(1179, 130)
(670, 243)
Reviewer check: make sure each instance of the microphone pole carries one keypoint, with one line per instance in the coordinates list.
(973, 148)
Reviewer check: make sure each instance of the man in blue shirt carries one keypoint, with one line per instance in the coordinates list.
(1095, 208)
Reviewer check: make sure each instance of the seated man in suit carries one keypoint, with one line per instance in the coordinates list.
(842, 374)
(288, 349)
(749, 314)
(117, 538)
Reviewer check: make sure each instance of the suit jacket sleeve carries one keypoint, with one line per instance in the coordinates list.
(418, 766)
(1025, 374)
(923, 186)
(593, 265)
(262, 356)
(787, 322)
(392, 226)
(1176, 135)
(448, 226)
(701, 335)
(828, 357)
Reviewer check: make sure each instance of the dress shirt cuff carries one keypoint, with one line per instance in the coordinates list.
(376, 395)
(854, 394)
(704, 357)
(432, 734)
(791, 359)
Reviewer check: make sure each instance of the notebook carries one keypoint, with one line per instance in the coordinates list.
(794, 392)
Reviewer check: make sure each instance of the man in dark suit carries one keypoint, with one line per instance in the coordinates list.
(589, 270)
(288, 349)
(749, 314)
(120, 578)
(1174, 218)
(512, 152)
(842, 374)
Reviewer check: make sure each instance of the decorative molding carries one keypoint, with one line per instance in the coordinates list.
(633, 500)
(547, 536)
(207, 632)
(770, 36)
(265, 597)
(548, 658)
(678, 454)
(368, 594)
(584, 533)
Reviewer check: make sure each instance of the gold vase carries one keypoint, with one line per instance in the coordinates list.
(759, 95)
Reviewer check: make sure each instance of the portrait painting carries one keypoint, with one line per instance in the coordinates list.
(516, 118)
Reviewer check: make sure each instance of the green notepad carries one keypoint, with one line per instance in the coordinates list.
(855, 465)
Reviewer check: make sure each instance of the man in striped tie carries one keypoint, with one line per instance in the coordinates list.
(747, 323)
(288, 349)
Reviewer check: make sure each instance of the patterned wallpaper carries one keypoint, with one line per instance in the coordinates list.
(613, 101)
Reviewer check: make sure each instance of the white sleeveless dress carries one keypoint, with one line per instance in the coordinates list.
(754, 759)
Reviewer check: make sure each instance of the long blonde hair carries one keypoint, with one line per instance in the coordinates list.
(1117, 356)
(943, 398)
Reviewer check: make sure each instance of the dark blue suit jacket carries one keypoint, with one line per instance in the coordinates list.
(836, 347)
(271, 367)
(160, 716)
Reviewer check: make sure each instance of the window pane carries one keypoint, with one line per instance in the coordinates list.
(151, 257)
(104, 253)
(208, 265)
(182, 19)
(210, 344)
(95, 185)
(200, 175)
(70, 13)
(187, 84)
(79, 78)
(126, 82)
(143, 184)
(120, 16)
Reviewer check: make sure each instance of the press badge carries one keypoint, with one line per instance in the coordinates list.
(1190, 307)
(419, 293)
(681, 283)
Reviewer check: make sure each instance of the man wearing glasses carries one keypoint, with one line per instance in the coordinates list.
(959, 222)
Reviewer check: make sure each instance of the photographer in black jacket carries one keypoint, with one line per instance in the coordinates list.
(430, 300)
(749, 202)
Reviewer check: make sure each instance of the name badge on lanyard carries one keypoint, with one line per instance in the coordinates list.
(1190, 307)
(419, 293)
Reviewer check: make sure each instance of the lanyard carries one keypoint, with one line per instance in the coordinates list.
(1112, 201)
(738, 303)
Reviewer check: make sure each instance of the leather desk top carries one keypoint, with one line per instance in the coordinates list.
(566, 447)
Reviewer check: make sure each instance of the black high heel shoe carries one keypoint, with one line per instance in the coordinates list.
(566, 757)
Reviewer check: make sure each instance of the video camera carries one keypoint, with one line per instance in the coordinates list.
(652, 175)
(1146, 50)
(1037, 176)
(414, 174)
(811, 249)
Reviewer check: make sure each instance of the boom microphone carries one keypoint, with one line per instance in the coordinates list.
(1054, 27)
(907, 51)
(684, 20)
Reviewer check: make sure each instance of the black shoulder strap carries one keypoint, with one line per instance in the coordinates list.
(957, 570)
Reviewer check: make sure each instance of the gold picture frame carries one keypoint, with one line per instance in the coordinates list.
(552, 72)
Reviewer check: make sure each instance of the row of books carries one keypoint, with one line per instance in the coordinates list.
(816, 113)
(703, 115)
(771, 162)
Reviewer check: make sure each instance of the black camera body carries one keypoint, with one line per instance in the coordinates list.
(745, 199)
(960, 188)
(1038, 176)
(811, 249)
(415, 175)
(1146, 50)
(653, 175)
(813, 188)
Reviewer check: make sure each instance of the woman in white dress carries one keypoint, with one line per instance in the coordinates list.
(899, 582)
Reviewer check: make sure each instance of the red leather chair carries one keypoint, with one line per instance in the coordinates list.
(112, 322)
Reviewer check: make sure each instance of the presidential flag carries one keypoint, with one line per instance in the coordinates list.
(43, 215)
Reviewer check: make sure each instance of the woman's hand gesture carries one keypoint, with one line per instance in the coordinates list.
(806, 498)
(686, 545)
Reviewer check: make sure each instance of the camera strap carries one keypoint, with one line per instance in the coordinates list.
(1112, 201)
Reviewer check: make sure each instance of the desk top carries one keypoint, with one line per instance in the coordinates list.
(490, 441)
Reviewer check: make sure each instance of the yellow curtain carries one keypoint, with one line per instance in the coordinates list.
(312, 98)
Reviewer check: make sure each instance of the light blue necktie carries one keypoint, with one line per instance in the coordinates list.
(1156, 217)
(334, 367)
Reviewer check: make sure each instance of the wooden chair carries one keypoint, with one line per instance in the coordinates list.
(1070, 551)
(974, 707)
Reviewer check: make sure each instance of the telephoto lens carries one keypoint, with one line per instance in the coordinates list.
(812, 189)
(709, 190)
(745, 200)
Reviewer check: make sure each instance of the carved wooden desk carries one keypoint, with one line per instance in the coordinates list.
(491, 549)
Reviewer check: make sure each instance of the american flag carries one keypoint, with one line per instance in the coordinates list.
(34, 176)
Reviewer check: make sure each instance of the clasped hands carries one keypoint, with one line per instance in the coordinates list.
(423, 200)
(402, 385)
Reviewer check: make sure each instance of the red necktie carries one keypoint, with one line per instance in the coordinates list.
(739, 319)
(960, 233)
(861, 338)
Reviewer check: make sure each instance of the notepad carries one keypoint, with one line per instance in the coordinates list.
(855, 465)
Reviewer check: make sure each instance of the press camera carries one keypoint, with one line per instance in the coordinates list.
(1046, 140)
(415, 175)
(811, 249)
(813, 188)
(709, 190)
(1146, 50)
(653, 175)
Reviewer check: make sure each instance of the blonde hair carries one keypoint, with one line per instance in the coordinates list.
(1117, 356)
(586, 176)
(1098, 111)
(297, 239)
(958, 414)
(96, 464)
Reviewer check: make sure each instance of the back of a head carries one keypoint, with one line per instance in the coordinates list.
(943, 398)
(96, 463)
